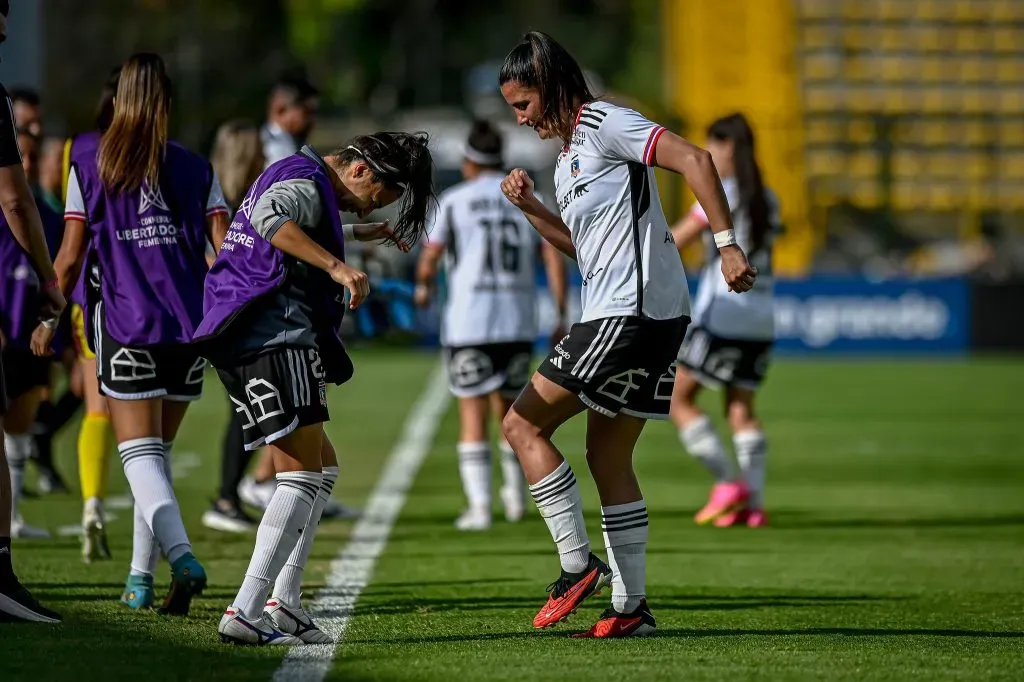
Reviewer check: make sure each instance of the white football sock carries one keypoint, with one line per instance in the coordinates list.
(143, 460)
(288, 586)
(279, 532)
(475, 470)
(511, 471)
(752, 453)
(625, 538)
(145, 548)
(20, 448)
(701, 440)
(558, 501)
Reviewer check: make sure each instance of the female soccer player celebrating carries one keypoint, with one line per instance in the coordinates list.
(732, 336)
(145, 207)
(273, 307)
(616, 361)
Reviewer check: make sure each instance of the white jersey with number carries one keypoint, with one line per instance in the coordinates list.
(748, 316)
(490, 265)
(608, 198)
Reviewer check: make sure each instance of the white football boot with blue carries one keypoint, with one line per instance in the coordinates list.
(235, 628)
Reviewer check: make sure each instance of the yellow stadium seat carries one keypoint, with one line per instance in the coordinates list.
(895, 9)
(860, 131)
(934, 69)
(907, 164)
(1010, 71)
(893, 38)
(944, 165)
(974, 70)
(1011, 101)
(825, 162)
(863, 165)
(818, 99)
(1011, 167)
(1011, 132)
(822, 66)
(815, 9)
(977, 133)
(1007, 39)
(978, 166)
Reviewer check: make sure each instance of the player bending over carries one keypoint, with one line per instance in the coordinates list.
(144, 208)
(730, 342)
(272, 311)
(490, 314)
(616, 362)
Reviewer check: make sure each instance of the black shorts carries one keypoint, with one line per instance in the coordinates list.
(23, 371)
(276, 392)
(716, 361)
(619, 364)
(482, 370)
(173, 372)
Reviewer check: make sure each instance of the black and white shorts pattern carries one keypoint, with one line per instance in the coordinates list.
(481, 370)
(716, 361)
(276, 392)
(172, 372)
(619, 364)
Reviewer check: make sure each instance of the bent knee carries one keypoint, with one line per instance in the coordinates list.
(516, 428)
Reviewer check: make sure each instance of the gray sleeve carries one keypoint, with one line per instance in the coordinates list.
(297, 200)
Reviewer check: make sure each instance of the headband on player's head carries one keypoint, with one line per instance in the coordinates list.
(376, 167)
(480, 157)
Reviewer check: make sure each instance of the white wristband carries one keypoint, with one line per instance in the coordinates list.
(349, 231)
(51, 323)
(725, 238)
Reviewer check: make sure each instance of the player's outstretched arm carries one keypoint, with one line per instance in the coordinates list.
(695, 165)
(518, 189)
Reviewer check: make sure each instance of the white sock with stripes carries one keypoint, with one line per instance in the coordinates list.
(143, 460)
(558, 501)
(282, 525)
(288, 586)
(702, 442)
(752, 454)
(475, 470)
(625, 539)
(145, 548)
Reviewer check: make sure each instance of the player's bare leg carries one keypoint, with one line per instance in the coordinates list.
(610, 445)
(539, 410)
(513, 483)
(701, 440)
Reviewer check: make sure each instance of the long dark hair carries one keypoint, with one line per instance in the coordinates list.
(400, 161)
(105, 105)
(132, 149)
(736, 129)
(540, 62)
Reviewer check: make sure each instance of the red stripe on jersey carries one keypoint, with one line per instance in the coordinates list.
(217, 210)
(73, 215)
(652, 144)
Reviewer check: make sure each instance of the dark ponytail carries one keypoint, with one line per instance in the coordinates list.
(736, 128)
(540, 62)
(401, 161)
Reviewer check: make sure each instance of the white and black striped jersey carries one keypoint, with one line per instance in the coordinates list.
(749, 316)
(490, 262)
(608, 198)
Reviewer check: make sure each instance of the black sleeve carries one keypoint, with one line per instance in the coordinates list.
(10, 155)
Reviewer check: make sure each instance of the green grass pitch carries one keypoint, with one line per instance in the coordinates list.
(896, 551)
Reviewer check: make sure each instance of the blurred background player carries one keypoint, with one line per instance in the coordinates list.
(729, 344)
(151, 207)
(28, 110)
(291, 114)
(237, 158)
(22, 222)
(613, 363)
(489, 322)
(26, 376)
(285, 253)
(94, 433)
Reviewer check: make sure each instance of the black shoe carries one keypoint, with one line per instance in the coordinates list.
(229, 517)
(17, 605)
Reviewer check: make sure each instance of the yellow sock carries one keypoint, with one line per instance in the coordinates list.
(93, 446)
